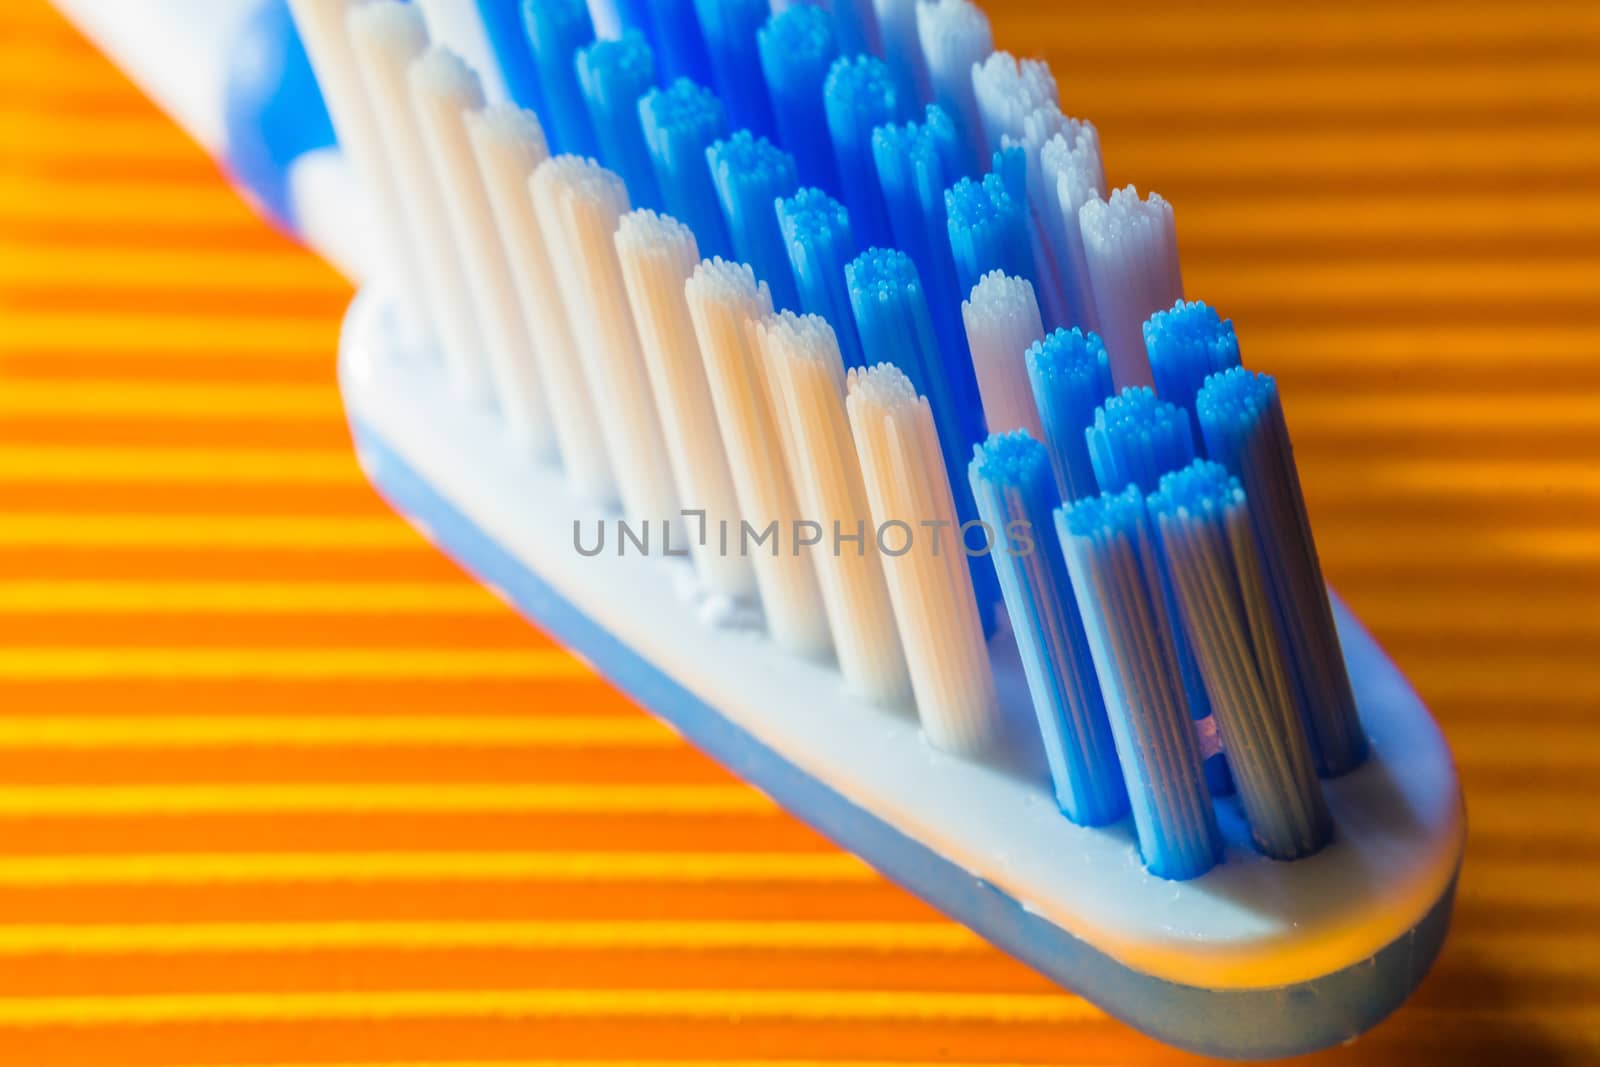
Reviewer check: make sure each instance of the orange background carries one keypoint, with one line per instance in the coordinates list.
(279, 785)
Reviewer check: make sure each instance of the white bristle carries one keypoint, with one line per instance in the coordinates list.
(904, 474)
(1071, 175)
(445, 91)
(1131, 246)
(324, 30)
(1068, 297)
(658, 255)
(460, 28)
(510, 145)
(1008, 91)
(806, 375)
(1017, 100)
(387, 37)
(1003, 322)
(724, 302)
(955, 37)
(579, 204)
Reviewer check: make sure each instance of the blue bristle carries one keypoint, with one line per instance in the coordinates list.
(751, 175)
(857, 24)
(858, 97)
(635, 15)
(798, 48)
(508, 40)
(1071, 377)
(1133, 440)
(1188, 343)
(679, 123)
(891, 314)
(988, 231)
(1013, 488)
(916, 163)
(730, 28)
(1202, 526)
(556, 30)
(1136, 438)
(1241, 419)
(680, 46)
(1117, 580)
(816, 230)
(614, 75)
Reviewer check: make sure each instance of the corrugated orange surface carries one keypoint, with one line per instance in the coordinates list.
(278, 785)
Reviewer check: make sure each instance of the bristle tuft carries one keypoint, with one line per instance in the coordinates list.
(1008, 91)
(1202, 523)
(679, 123)
(725, 302)
(1136, 438)
(806, 377)
(613, 75)
(858, 97)
(1071, 377)
(816, 231)
(1015, 492)
(955, 36)
(1117, 581)
(909, 493)
(1003, 322)
(798, 47)
(1131, 246)
(1241, 419)
(750, 174)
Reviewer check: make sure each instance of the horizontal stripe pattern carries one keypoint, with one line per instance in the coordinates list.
(279, 785)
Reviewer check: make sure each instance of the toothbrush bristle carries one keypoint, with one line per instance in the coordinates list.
(909, 492)
(679, 123)
(658, 255)
(725, 299)
(816, 230)
(751, 174)
(1015, 492)
(613, 74)
(955, 36)
(858, 97)
(807, 378)
(897, 20)
(988, 229)
(1069, 174)
(510, 147)
(388, 37)
(446, 94)
(1071, 376)
(1131, 246)
(1186, 344)
(730, 28)
(1003, 322)
(358, 120)
(892, 315)
(1241, 419)
(1117, 580)
(798, 47)
(556, 30)
(580, 204)
(1202, 523)
(1136, 438)
(678, 40)
(1008, 91)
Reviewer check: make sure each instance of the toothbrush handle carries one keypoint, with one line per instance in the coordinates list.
(234, 74)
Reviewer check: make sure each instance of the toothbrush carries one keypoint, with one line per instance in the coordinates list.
(586, 368)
